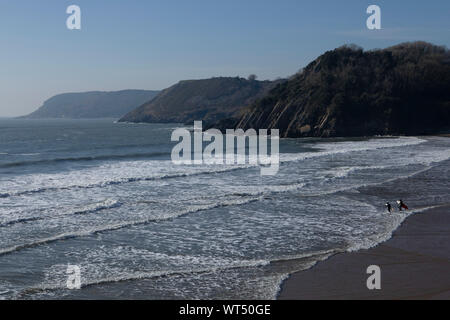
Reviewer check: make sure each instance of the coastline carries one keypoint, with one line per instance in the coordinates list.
(414, 262)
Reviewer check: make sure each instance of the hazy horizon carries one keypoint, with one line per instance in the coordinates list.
(153, 45)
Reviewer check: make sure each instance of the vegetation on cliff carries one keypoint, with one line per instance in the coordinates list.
(403, 89)
(93, 104)
(209, 100)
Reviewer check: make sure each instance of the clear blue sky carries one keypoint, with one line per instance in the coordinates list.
(145, 44)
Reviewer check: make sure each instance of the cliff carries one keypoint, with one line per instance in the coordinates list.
(401, 90)
(209, 100)
(92, 104)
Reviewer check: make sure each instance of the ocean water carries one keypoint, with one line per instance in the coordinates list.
(105, 196)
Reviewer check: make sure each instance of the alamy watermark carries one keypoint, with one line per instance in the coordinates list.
(190, 149)
(73, 22)
(374, 20)
(374, 280)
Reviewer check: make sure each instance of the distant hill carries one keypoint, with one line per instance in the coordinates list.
(94, 104)
(404, 89)
(209, 100)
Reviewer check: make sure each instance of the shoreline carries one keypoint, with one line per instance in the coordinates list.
(414, 262)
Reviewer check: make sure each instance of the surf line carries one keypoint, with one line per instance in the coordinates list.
(190, 151)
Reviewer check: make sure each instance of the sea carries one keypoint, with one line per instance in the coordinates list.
(106, 198)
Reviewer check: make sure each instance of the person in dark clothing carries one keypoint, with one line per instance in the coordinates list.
(402, 205)
(389, 207)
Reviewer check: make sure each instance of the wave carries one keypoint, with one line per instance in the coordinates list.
(122, 181)
(400, 217)
(118, 226)
(369, 243)
(224, 266)
(327, 253)
(17, 221)
(244, 198)
(330, 148)
(306, 260)
(269, 189)
(96, 207)
(140, 275)
(84, 158)
(312, 257)
(333, 148)
(110, 203)
(363, 185)
(342, 172)
(91, 208)
(108, 183)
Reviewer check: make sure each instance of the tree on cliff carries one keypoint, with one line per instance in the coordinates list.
(403, 89)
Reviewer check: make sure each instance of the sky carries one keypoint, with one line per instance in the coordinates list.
(150, 44)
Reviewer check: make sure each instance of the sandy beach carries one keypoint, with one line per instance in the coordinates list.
(415, 264)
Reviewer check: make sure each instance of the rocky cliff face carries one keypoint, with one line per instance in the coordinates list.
(209, 100)
(348, 92)
(94, 104)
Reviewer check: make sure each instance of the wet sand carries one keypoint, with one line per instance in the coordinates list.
(415, 264)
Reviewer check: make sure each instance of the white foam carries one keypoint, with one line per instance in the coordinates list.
(124, 172)
(342, 172)
(128, 275)
(330, 148)
(91, 231)
(398, 219)
(54, 213)
(134, 171)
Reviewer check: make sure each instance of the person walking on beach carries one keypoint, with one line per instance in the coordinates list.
(389, 207)
(402, 205)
